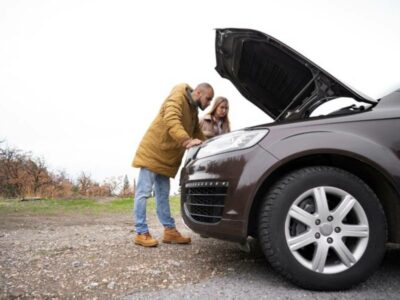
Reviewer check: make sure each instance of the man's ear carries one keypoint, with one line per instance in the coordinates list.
(197, 94)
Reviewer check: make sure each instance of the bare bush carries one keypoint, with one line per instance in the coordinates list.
(22, 175)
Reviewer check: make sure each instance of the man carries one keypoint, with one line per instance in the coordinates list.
(175, 129)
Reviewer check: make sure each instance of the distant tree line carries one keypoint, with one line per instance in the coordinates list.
(23, 175)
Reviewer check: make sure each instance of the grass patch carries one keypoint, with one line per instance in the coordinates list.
(54, 206)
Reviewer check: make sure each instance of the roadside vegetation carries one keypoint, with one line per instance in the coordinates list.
(25, 176)
(82, 206)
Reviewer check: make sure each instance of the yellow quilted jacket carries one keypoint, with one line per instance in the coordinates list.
(161, 149)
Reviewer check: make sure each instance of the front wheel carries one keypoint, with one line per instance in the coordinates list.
(323, 228)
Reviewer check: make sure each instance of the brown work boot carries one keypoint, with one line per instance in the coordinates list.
(172, 236)
(145, 240)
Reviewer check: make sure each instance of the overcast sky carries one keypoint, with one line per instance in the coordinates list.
(80, 81)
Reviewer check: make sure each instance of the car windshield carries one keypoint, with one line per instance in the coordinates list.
(340, 105)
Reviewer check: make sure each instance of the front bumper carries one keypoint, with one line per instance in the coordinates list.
(217, 192)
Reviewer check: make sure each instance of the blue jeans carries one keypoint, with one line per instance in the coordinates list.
(143, 190)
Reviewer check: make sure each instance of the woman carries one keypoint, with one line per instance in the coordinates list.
(216, 121)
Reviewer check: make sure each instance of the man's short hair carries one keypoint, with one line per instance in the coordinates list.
(204, 86)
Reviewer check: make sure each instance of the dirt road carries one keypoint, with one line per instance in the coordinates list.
(92, 256)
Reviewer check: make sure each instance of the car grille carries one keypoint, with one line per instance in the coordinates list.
(204, 201)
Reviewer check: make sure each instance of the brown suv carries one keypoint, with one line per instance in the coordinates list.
(320, 189)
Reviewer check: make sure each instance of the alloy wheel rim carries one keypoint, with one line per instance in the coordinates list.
(327, 230)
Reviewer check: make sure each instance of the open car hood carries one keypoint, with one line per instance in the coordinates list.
(274, 77)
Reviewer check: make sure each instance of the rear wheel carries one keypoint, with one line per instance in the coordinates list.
(323, 228)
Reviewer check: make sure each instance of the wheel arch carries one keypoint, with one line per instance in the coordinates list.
(370, 174)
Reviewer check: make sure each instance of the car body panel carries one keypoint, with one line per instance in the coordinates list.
(272, 75)
(367, 137)
(233, 225)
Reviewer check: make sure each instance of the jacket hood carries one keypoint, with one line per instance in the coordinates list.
(274, 77)
(181, 88)
(185, 90)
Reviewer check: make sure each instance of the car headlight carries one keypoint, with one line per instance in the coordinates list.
(235, 140)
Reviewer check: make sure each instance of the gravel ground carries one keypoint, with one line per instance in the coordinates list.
(93, 257)
(89, 257)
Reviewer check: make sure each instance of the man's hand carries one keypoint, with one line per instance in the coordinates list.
(193, 142)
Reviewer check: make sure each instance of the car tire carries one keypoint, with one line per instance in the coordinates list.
(322, 228)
